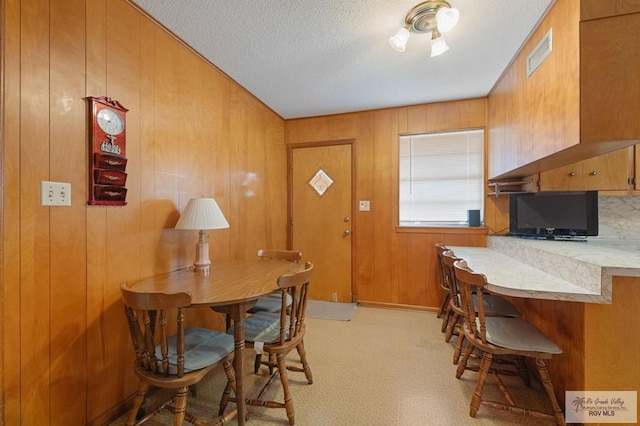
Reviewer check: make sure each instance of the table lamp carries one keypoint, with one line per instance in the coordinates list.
(202, 214)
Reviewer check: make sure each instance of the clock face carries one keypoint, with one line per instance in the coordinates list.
(110, 122)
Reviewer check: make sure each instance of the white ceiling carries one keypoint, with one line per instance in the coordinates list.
(306, 58)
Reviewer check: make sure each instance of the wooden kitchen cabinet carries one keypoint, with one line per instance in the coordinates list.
(607, 172)
(594, 9)
(610, 87)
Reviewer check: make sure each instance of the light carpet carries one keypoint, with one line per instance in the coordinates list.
(384, 367)
(330, 310)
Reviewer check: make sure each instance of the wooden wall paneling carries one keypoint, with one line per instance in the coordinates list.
(191, 162)
(35, 306)
(123, 223)
(412, 271)
(179, 246)
(342, 126)
(363, 258)
(221, 158)
(238, 146)
(10, 336)
(416, 119)
(308, 129)
(273, 178)
(477, 113)
(250, 189)
(68, 158)
(592, 9)
(564, 323)
(385, 243)
(435, 117)
(452, 114)
(627, 6)
(96, 267)
(394, 202)
(610, 352)
(379, 247)
(157, 242)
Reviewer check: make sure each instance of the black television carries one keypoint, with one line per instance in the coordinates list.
(554, 215)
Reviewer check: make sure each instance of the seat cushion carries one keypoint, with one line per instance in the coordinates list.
(270, 303)
(202, 347)
(261, 327)
(496, 306)
(518, 334)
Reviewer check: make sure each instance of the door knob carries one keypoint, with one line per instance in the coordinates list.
(346, 232)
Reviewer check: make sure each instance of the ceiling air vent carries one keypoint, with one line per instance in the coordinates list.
(539, 53)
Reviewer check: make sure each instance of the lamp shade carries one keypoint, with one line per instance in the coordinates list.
(399, 41)
(438, 46)
(202, 213)
(447, 18)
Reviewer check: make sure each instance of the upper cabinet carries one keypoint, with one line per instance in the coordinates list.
(594, 9)
(610, 78)
(569, 108)
(608, 172)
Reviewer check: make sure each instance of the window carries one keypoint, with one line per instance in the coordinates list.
(441, 177)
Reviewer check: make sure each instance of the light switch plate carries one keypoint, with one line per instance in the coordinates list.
(364, 206)
(55, 193)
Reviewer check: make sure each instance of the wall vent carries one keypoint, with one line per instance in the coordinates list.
(539, 53)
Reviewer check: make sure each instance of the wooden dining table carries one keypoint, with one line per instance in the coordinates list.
(231, 288)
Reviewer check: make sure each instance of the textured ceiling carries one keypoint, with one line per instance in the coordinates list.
(305, 58)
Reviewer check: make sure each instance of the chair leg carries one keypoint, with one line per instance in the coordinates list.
(180, 407)
(446, 319)
(256, 363)
(483, 372)
(458, 349)
(288, 403)
(305, 365)
(523, 371)
(462, 364)
(231, 384)
(451, 325)
(143, 387)
(443, 305)
(548, 387)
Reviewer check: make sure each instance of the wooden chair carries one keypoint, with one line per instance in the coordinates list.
(494, 336)
(174, 361)
(272, 302)
(444, 311)
(279, 333)
(493, 305)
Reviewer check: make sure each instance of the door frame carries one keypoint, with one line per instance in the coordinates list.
(290, 148)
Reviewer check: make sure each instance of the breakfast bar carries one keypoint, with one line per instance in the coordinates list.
(578, 271)
(584, 295)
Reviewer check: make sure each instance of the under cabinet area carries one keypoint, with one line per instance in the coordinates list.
(608, 172)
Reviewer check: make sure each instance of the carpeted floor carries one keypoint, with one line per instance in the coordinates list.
(384, 367)
(330, 310)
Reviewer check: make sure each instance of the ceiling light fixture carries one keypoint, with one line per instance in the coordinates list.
(433, 16)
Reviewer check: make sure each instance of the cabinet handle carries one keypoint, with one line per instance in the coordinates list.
(572, 174)
(593, 173)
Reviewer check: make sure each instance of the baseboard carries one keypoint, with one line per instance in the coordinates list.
(396, 306)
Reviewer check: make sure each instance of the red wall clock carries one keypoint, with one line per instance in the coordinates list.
(107, 151)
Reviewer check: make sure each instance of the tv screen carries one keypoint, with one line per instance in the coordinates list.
(550, 214)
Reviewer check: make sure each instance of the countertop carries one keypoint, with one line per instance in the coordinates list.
(560, 270)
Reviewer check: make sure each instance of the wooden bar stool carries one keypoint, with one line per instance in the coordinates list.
(495, 336)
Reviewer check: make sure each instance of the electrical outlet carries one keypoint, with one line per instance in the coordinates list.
(364, 206)
(55, 193)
